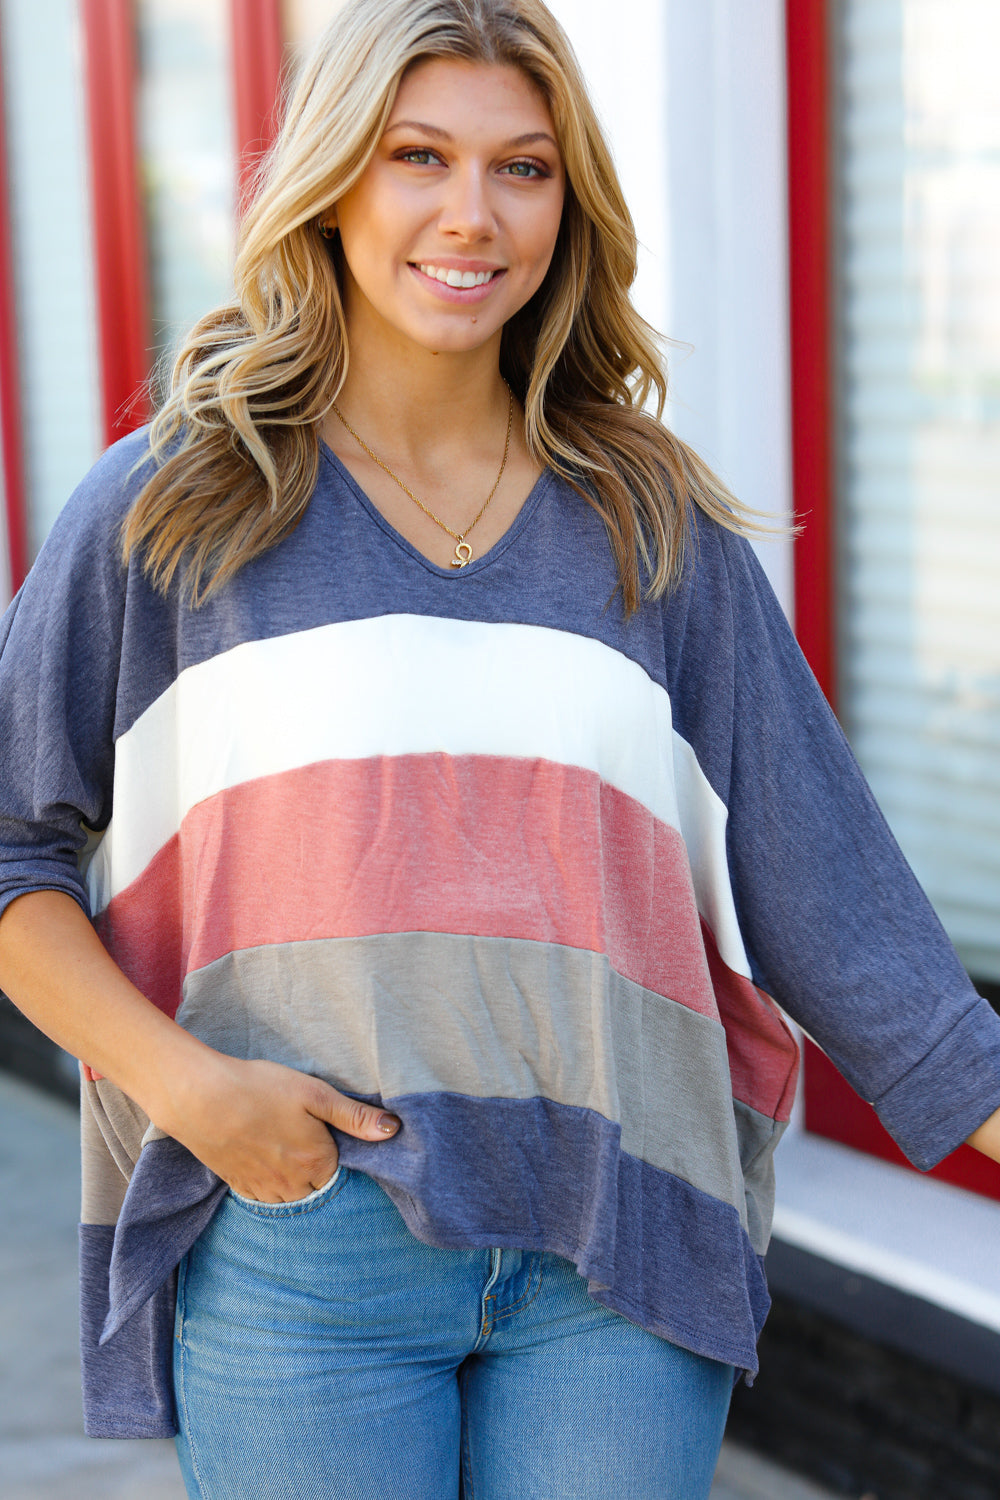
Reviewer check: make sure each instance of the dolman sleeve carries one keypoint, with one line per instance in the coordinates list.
(60, 658)
(836, 927)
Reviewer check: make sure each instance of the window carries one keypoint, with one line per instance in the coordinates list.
(917, 242)
(185, 124)
(51, 249)
(919, 200)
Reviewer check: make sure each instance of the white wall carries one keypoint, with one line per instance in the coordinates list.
(692, 94)
(728, 285)
(625, 67)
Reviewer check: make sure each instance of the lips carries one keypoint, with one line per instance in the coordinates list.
(460, 284)
(452, 276)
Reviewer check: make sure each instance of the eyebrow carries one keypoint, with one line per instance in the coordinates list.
(435, 131)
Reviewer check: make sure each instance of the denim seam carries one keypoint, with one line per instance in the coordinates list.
(179, 1306)
(179, 1393)
(487, 1319)
(465, 1439)
(523, 1301)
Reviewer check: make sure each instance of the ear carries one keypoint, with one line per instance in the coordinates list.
(328, 224)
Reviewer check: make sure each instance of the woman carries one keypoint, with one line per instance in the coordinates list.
(465, 802)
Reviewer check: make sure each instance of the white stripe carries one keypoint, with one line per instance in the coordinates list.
(410, 685)
(888, 1266)
(703, 825)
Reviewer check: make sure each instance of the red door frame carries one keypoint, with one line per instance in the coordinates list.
(120, 246)
(124, 334)
(255, 28)
(811, 328)
(832, 1108)
(11, 430)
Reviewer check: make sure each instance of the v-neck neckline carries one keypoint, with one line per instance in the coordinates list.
(500, 546)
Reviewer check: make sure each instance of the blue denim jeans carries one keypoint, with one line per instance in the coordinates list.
(324, 1353)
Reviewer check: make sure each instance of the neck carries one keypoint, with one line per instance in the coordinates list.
(417, 426)
(436, 403)
(402, 395)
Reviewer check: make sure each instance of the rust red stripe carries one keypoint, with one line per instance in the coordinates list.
(491, 846)
(475, 844)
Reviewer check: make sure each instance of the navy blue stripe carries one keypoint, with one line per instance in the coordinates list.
(127, 1382)
(465, 1174)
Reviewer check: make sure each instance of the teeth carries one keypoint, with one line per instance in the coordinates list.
(457, 278)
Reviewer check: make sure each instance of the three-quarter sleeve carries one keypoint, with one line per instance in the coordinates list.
(836, 926)
(60, 652)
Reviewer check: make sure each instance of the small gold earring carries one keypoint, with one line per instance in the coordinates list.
(327, 230)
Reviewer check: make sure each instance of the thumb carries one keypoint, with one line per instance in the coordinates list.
(366, 1121)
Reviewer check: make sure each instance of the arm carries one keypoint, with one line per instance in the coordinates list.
(834, 923)
(987, 1138)
(261, 1127)
(65, 683)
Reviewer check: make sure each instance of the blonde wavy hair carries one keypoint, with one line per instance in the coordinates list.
(235, 443)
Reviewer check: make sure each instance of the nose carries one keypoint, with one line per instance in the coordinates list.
(467, 211)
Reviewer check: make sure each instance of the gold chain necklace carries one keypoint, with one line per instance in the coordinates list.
(463, 551)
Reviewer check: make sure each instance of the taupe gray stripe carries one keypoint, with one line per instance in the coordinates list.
(409, 1013)
(111, 1134)
(758, 1137)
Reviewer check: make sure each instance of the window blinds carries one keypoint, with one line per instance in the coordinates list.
(919, 338)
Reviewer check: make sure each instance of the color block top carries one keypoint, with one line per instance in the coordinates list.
(469, 844)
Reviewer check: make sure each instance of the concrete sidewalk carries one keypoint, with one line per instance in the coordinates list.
(43, 1453)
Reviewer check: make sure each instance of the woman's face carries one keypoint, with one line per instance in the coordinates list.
(451, 228)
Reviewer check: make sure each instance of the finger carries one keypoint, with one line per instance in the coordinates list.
(287, 1184)
(365, 1121)
(326, 1174)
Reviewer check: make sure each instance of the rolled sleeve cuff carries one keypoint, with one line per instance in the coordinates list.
(951, 1091)
(42, 875)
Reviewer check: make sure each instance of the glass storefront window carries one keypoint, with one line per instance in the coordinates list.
(188, 159)
(919, 161)
(52, 253)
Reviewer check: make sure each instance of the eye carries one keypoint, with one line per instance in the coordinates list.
(526, 169)
(421, 156)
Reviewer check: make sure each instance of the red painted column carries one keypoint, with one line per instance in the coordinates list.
(124, 334)
(828, 1098)
(810, 290)
(257, 53)
(12, 453)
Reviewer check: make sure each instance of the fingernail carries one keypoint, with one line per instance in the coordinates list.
(388, 1124)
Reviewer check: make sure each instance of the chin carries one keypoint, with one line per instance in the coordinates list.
(460, 340)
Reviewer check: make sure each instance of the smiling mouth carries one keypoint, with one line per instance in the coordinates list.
(460, 279)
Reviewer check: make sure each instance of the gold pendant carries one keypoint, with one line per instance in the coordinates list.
(463, 555)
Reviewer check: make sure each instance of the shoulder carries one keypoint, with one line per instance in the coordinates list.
(81, 557)
(730, 649)
(79, 574)
(725, 585)
(723, 556)
(94, 512)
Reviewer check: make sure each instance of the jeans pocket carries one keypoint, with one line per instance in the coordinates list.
(311, 1201)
